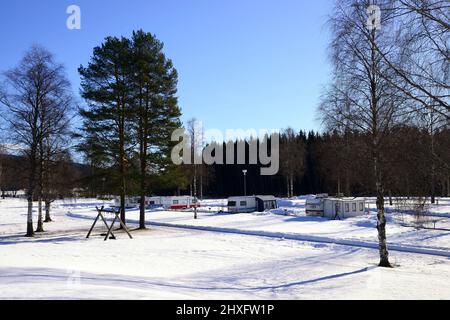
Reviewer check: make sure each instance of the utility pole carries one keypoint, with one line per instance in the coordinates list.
(245, 181)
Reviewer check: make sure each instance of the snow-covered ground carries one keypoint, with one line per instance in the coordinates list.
(278, 255)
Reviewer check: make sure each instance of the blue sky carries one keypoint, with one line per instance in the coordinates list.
(256, 64)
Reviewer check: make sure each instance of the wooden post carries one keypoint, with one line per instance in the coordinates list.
(100, 215)
(122, 224)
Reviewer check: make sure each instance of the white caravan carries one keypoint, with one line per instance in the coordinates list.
(248, 204)
(173, 203)
(342, 208)
(130, 202)
(335, 208)
(170, 203)
(314, 206)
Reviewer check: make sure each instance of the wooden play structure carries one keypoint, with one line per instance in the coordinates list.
(109, 232)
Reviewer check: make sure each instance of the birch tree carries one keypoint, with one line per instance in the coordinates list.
(37, 97)
(364, 98)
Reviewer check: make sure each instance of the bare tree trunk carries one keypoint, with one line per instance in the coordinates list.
(288, 190)
(40, 222)
(201, 187)
(433, 165)
(47, 211)
(122, 172)
(339, 186)
(143, 190)
(30, 231)
(292, 186)
(142, 204)
(433, 184)
(347, 184)
(47, 192)
(143, 186)
(30, 194)
(381, 220)
(195, 191)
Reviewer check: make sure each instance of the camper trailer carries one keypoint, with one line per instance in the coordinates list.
(342, 208)
(248, 204)
(179, 202)
(152, 202)
(169, 203)
(314, 206)
(335, 208)
(135, 202)
(130, 202)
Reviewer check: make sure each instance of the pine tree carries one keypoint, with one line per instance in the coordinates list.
(107, 87)
(155, 109)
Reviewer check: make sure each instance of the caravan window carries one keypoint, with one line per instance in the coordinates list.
(232, 203)
(347, 207)
(361, 206)
(175, 202)
(152, 203)
(354, 207)
(243, 203)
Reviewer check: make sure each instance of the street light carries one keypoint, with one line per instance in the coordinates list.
(245, 181)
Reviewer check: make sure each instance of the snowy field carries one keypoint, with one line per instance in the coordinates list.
(277, 255)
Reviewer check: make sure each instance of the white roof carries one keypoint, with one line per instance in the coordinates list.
(266, 198)
(346, 199)
(314, 201)
(242, 197)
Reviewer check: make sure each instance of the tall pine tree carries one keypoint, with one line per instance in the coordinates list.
(107, 87)
(155, 109)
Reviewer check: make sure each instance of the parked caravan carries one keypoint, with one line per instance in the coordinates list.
(264, 203)
(153, 202)
(335, 208)
(342, 208)
(181, 202)
(248, 204)
(241, 204)
(130, 202)
(314, 206)
(169, 203)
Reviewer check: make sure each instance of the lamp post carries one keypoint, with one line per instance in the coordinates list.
(245, 181)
